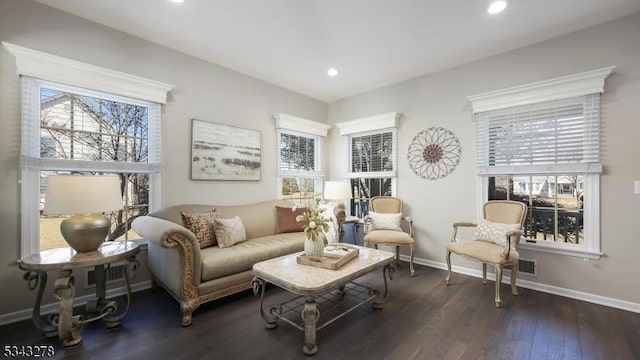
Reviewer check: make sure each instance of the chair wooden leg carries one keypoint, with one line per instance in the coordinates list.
(375, 246)
(498, 282)
(484, 274)
(411, 262)
(448, 257)
(397, 256)
(514, 274)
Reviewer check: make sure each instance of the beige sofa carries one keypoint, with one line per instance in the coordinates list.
(195, 276)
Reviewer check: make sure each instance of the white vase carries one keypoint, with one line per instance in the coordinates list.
(314, 247)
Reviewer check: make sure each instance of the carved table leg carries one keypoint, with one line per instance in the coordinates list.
(39, 279)
(94, 304)
(387, 271)
(310, 316)
(112, 319)
(69, 326)
(271, 320)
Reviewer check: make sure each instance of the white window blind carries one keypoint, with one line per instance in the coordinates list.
(299, 154)
(371, 154)
(552, 137)
(69, 128)
(300, 158)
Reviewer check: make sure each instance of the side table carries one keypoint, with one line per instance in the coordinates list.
(64, 260)
(356, 223)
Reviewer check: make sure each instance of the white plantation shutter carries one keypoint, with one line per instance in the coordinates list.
(552, 137)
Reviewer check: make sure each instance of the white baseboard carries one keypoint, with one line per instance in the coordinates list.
(573, 294)
(54, 307)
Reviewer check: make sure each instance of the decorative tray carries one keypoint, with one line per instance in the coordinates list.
(335, 255)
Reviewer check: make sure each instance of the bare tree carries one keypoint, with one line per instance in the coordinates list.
(103, 130)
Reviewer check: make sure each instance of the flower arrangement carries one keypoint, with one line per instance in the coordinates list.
(315, 221)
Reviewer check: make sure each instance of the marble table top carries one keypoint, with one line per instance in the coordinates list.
(66, 258)
(300, 279)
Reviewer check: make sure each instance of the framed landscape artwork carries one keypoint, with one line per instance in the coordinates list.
(223, 152)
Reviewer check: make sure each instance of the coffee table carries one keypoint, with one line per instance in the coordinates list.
(333, 292)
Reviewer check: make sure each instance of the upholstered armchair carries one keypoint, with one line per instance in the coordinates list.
(495, 241)
(383, 225)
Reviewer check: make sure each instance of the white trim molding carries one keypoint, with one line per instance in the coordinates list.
(294, 123)
(550, 289)
(371, 123)
(59, 69)
(589, 82)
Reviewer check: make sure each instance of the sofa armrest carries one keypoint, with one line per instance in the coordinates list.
(159, 231)
(181, 272)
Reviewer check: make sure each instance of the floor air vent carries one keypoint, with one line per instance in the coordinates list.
(527, 267)
(112, 274)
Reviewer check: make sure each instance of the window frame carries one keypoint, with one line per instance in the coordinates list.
(591, 228)
(349, 174)
(32, 164)
(56, 69)
(317, 174)
(297, 126)
(373, 125)
(582, 84)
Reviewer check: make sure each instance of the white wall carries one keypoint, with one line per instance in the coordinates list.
(202, 90)
(439, 100)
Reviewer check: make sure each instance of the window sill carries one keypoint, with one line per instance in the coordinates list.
(561, 249)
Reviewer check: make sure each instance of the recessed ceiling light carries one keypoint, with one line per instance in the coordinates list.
(177, 1)
(497, 7)
(333, 72)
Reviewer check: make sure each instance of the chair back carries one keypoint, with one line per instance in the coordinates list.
(505, 211)
(386, 204)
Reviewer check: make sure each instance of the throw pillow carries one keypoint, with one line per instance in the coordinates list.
(229, 231)
(380, 221)
(201, 225)
(493, 232)
(287, 219)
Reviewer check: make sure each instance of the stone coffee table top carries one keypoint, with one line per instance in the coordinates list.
(286, 273)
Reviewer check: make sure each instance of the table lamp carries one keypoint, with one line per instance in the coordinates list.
(84, 197)
(336, 192)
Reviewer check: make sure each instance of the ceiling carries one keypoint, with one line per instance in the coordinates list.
(373, 43)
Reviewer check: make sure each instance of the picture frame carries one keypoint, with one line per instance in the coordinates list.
(224, 152)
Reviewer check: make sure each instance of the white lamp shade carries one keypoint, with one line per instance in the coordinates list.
(82, 194)
(337, 190)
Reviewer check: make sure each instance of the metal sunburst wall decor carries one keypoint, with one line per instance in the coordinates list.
(434, 153)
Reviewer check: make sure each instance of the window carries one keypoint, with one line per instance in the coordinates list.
(555, 204)
(371, 158)
(545, 152)
(69, 129)
(87, 132)
(300, 158)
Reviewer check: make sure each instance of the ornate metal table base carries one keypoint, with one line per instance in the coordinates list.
(64, 324)
(303, 311)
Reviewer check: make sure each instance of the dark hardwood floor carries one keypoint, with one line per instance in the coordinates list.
(423, 319)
